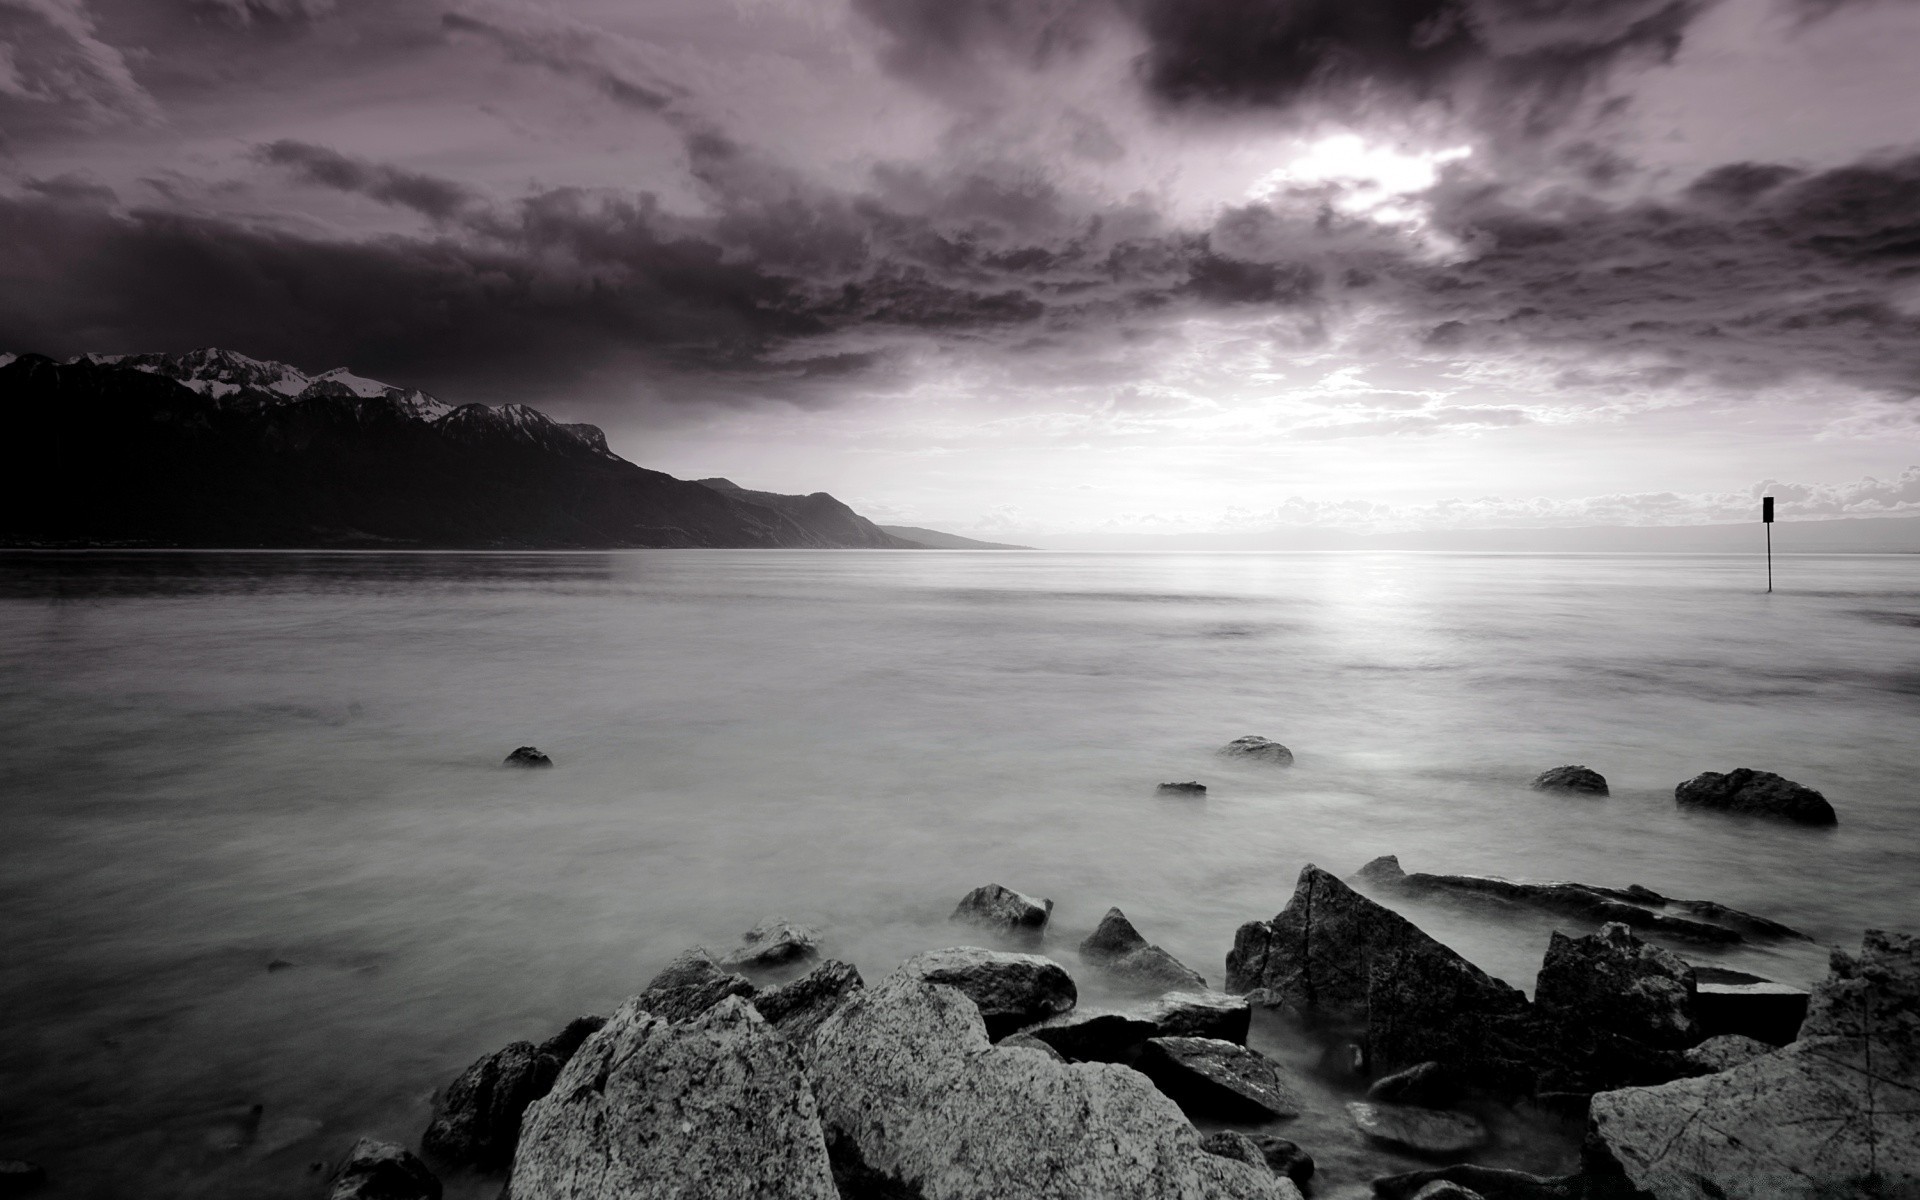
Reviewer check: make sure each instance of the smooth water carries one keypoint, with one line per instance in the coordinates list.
(215, 762)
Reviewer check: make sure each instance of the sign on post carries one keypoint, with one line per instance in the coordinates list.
(1766, 518)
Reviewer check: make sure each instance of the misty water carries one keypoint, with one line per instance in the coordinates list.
(217, 762)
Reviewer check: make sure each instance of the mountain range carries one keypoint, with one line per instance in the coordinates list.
(215, 449)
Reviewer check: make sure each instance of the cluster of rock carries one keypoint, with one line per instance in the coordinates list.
(1744, 790)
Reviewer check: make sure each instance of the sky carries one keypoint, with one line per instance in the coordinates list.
(1030, 268)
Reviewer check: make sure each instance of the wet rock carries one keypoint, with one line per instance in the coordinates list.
(1424, 1130)
(1189, 788)
(1826, 1116)
(1210, 1077)
(18, 1177)
(995, 907)
(772, 944)
(1725, 1052)
(1736, 1002)
(1493, 1183)
(1259, 748)
(1612, 980)
(1338, 956)
(1010, 990)
(1756, 927)
(691, 984)
(715, 1106)
(1083, 1036)
(527, 756)
(377, 1170)
(1577, 780)
(1446, 1189)
(908, 1081)
(1755, 793)
(1116, 946)
(1426, 1085)
(476, 1121)
(1231, 1143)
(798, 1007)
(1206, 1014)
(1285, 1157)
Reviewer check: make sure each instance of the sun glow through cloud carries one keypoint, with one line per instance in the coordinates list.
(1367, 179)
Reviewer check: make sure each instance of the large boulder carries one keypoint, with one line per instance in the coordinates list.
(690, 985)
(1830, 1115)
(376, 1170)
(771, 945)
(1116, 946)
(1209, 1077)
(1259, 749)
(1616, 1012)
(1337, 956)
(714, 1108)
(919, 1103)
(1735, 1002)
(1755, 793)
(1207, 1014)
(1580, 781)
(994, 907)
(797, 1008)
(1011, 990)
(476, 1120)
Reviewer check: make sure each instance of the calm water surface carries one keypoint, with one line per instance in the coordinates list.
(220, 761)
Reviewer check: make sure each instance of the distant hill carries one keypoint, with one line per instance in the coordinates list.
(819, 512)
(215, 449)
(933, 539)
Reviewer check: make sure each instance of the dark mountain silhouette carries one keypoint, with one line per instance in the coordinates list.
(933, 539)
(214, 449)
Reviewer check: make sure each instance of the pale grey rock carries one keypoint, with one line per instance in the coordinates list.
(1727, 1051)
(1011, 990)
(1446, 1189)
(909, 1082)
(1116, 946)
(773, 944)
(1613, 980)
(1205, 1014)
(690, 985)
(1026, 1041)
(376, 1170)
(1259, 749)
(1210, 1077)
(717, 1107)
(1427, 1130)
(994, 907)
(797, 1008)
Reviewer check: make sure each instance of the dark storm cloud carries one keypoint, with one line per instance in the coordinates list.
(576, 51)
(438, 199)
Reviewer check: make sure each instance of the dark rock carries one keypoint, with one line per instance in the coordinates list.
(772, 944)
(1736, 1002)
(1579, 780)
(1427, 1085)
(797, 1008)
(1494, 1183)
(1010, 990)
(691, 984)
(1425, 1130)
(1201, 1014)
(1759, 928)
(1026, 1041)
(1613, 980)
(1082, 1036)
(476, 1121)
(383, 1171)
(562, 1046)
(527, 756)
(1189, 788)
(719, 1105)
(1285, 1158)
(995, 907)
(1829, 1115)
(1338, 956)
(1755, 793)
(1117, 946)
(1231, 1143)
(1263, 749)
(1725, 1052)
(278, 965)
(18, 1177)
(1211, 1077)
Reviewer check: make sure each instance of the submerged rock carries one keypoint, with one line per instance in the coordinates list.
(1829, 1115)
(1210, 1077)
(691, 984)
(773, 944)
(1736, 1002)
(1116, 946)
(1205, 1014)
(1578, 780)
(1010, 990)
(1725, 1052)
(1262, 749)
(1755, 793)
(1426, 1130)
(1189, 788)
(911, 1087)
(376, 1170)
(1427, 1085)
(718, 1106)
(798, 1007)
(996, 907)
(527, 756)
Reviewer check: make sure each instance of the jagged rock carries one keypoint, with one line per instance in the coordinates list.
(1011, 990)
(717, 1106)
(1746, 923)
(798, 1007)
(773, 944)
(1494, 1183)
(995, 907)
(1725, 1052)
(1026, 1041)
(1829, 1115)
(1578, 780)
(1216, 1078)
(1755, 793)
(909, 1083)
(1446, 1189)
(376, 1170)
(527, 756)
(1736, 1002)
(1426, 1130)
(1334, 954)
(1426, 1085)
(1117, 946)
(1189, 788)
(1612, 980)
(562, 1046)
(476, 1120)
(1206, 1014)
(18, 1177)
(1084, 1036)
(1259, 748)
(691, 984)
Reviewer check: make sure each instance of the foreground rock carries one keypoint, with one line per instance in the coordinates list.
(377, 1170)
(1617, 1012)
(1581, 781)
(1260, 749)
(1492, 1183)
(1263, 1150)
(476, 1121)
(691, 984)
(1335, 955)
(1830, 1115)
(1726, 1052)
(1010, 990)
(1755, 793)
(773, 944)
(1207, 1014)
(1189, 788)
(717, 1106)
(916, 1099)
(797, 1008)
(1734, 1002)
(527, 756)
(1116, 946)
(996, 907)
(1428, 1085)
(1425, 1130)
(1209, 1077)
(1082, 1036)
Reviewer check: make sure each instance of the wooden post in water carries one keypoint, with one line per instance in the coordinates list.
(1766, 518)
